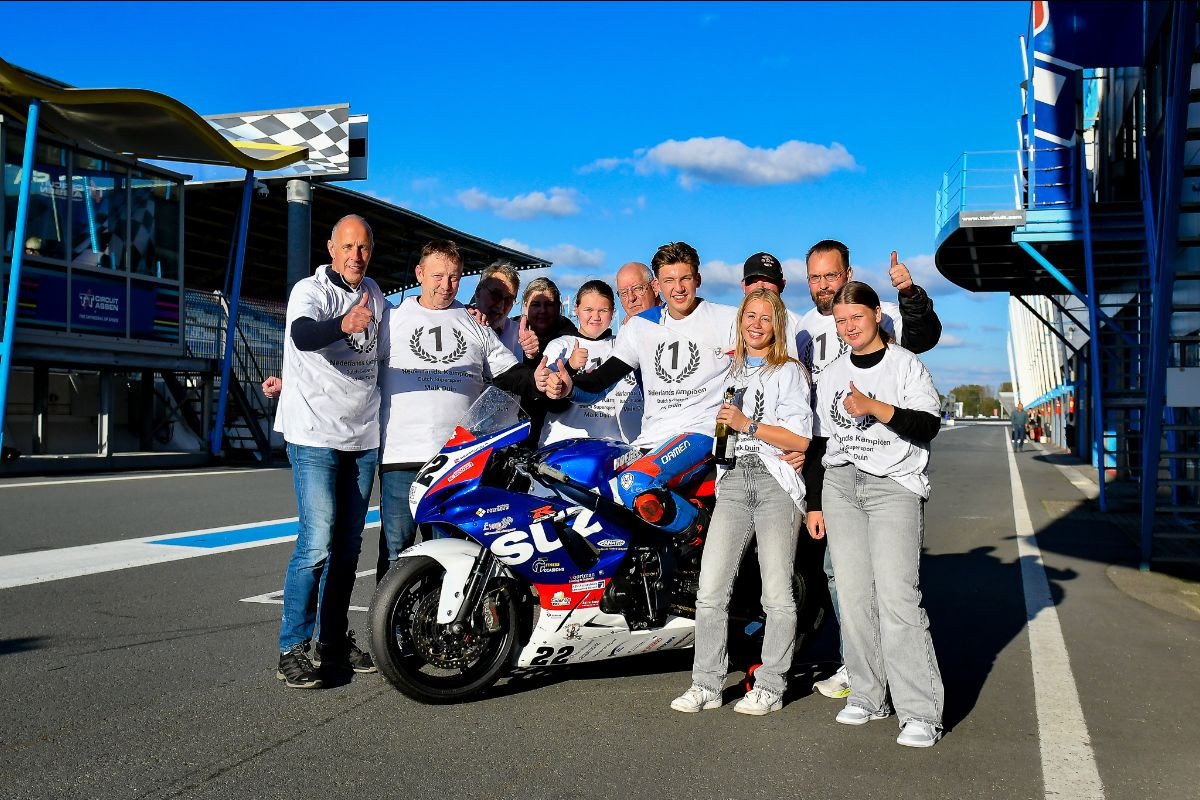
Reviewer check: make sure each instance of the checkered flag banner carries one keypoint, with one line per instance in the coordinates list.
(324, 130)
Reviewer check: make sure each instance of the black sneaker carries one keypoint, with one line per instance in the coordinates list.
(297, 671)
(346, 656)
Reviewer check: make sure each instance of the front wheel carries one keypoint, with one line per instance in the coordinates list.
(428, 661)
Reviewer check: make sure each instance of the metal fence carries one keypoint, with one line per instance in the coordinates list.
(258, 348)
(996, 180)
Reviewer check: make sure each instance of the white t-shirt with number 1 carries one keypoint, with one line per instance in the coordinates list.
(330, 398)
(436, 362)
(900, 380)
(617, 415)
(819, 345)
(683, 364)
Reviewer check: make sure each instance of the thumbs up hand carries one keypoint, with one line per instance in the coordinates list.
(358, 318)
(560, 383)
(541, 376)
(901, 277)
(856, 403)
(527, 338)
(579, 357)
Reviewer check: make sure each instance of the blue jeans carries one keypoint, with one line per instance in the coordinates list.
(1019, 437)
(333, 488)
(395, 517)
(676, 462)
(876, 528)
(831, 582)
(750, 502)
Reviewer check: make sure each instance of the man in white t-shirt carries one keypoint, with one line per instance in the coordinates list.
(682, 349)
(437, 359)
(328, 414)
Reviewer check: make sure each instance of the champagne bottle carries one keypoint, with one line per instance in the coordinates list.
(725, 438)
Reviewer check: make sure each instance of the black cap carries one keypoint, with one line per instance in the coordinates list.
(762, 266)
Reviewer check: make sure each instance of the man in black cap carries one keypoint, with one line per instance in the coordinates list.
(763, 271)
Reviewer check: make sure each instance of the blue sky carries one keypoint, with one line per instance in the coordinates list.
(592, 133)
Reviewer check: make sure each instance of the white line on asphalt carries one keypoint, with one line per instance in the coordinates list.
(42, 566)
(276, 598)
(66, 481)
(1090, 490)
(1068, 764)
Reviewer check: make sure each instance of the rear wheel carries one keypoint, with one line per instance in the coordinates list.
(430, 662)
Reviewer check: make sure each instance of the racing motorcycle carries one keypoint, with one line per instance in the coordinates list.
(536, 563)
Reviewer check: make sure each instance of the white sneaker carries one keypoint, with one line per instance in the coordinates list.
(918, 734)
(836, 685)
(696, 699)
(855, 715)
(758, 702)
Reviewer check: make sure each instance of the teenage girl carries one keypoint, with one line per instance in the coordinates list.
(617, 413)
(760, 496)
(879, 408)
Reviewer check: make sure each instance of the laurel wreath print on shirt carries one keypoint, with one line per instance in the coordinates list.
(759, 406)
(363, 342)
(460, 347)
(837, 412)
(689, 369)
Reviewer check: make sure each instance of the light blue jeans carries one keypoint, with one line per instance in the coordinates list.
(333, 488)
(397, 529)
(876, 528)
(750, 502)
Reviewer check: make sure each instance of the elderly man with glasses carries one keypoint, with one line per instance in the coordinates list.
(636, 289)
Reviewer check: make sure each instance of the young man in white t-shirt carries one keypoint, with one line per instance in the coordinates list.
(683, 351)
(328, 414)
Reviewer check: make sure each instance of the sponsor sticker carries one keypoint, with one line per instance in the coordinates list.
(542, 512)
(459, 471)
(498, 525)
(479, 512)
(626, 460)
(627, 481)
(611, 543)
(546, 565)
(674, 452)
(587, 586)
(560, 599)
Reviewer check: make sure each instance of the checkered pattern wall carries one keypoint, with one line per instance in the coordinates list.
(325, 131)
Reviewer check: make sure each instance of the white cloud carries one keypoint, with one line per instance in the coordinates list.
(567, 255)
(559, 202)
(424, 184)
(719, 159)
(950, 340)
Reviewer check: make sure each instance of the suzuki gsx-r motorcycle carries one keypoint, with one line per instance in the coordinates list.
(537, 563)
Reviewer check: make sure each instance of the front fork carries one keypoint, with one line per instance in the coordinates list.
(485, 567)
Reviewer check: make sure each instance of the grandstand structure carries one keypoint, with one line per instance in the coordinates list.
(147, 254)
(1092, 226)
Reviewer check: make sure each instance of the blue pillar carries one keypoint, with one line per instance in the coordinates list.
(14, 275)
(218, 431)
(1096, 374)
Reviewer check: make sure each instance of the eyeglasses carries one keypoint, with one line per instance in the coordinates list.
(634, 291)
(828, 277)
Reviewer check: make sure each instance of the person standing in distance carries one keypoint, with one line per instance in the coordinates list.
(1020, 421)
(913, 323)
(329, 416)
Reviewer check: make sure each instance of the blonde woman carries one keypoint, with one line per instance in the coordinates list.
(760, 496)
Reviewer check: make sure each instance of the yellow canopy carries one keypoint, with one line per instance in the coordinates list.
(136, 122)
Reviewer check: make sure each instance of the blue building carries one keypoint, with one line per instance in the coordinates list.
(1092, 225)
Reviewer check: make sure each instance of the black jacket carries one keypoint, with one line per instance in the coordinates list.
(921, 327)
